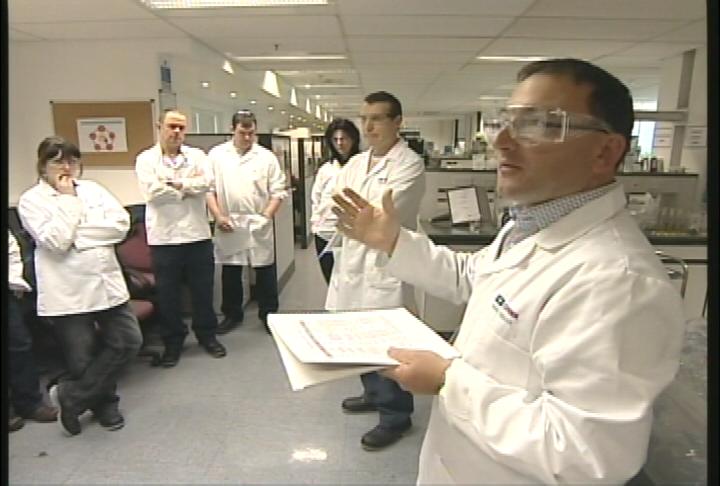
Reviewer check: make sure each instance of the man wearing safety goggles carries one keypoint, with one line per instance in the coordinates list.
(572, 328)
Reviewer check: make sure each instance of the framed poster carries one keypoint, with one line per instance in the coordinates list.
(108, 134)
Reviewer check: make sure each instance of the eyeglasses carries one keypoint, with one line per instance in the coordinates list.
(71, 162)
(531, 125)
(375, 118)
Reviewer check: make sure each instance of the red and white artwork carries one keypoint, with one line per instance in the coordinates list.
(102, 134)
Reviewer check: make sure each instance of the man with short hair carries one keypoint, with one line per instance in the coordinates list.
(572, 328)
(356, 283)
(248, 188)
(173, 179)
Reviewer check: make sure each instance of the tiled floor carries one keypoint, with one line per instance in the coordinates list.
(232, 420)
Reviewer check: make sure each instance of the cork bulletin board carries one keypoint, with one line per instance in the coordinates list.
(119, 130)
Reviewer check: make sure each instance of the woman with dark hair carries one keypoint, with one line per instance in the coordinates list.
(81, 290)
(343, 140)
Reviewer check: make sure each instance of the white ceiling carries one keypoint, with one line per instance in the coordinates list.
(423, 51)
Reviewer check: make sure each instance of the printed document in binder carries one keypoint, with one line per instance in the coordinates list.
(326, 346)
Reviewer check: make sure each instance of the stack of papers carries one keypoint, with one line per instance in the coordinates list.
(320, 347)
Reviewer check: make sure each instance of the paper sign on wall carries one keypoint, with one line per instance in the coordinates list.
(696, 136)
(102, 134)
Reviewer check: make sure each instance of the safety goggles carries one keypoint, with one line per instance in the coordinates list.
(531, 125)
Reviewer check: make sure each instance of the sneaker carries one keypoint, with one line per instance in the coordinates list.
(357, 405)
(381, 437)
(214, 348)
(43, 413)
(15, 423)
(66, 418)
(228, 324)
(109, 416)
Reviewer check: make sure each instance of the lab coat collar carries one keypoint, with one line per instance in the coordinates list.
(563, 231)
(392, 154)
(252, 151)
(582, 220)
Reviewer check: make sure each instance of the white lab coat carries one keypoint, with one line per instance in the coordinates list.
(567, 340)
(323, 220)
(76, 268)
(356, 282)
(174, 217)
(16, 281)
(244, 185)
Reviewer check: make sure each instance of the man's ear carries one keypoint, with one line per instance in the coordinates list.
(610, 153)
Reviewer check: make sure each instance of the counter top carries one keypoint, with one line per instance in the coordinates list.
(443, 233)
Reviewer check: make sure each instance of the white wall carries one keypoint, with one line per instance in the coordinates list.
(438, 131)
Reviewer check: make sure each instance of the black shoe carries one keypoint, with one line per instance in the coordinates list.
(67, 419)
(228, 324)
(109, 416)
(357, 405)
(214, 347)
(381, 437)
(170, 357)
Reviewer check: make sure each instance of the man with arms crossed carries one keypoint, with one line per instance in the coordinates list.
(572, 327)
(356, 282)
(248, 190)
(173, 179)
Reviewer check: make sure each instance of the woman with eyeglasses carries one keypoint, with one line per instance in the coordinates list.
(343, 141)
(75, 224)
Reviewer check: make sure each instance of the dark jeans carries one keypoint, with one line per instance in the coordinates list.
(96, 346)
(194, 264)
(25, 393)
(394, 404)
(327, 260)
(266, 291)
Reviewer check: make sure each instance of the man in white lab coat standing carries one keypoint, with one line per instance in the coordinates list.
(572, 328)
(248, 190)
(356, 282)
(174, 179)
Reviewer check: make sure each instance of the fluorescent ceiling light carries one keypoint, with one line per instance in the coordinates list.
(270, 84)
(233, 94)
(205, 84)
(252, 102)
(307, 106)
(270, 108)
(310, 57)
(293, 97)
(179, 4)
(227, 67)
(317, 112)
(511, 58)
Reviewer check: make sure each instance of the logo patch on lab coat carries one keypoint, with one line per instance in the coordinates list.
(502, 308)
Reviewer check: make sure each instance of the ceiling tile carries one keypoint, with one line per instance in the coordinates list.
(694, 32)
(656, 50)
(416, 44)
(600, 29)
(620, 9)
(453, 58)
(433, 7)
(16, 35)
(30, 11)
(427, 26)
(243, 27)
(127, 29)
(584, 49)
(260, 46)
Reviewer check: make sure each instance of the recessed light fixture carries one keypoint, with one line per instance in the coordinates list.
(205, 84)
(270, 84)
(253, 102)
(181, 4)
(233, 94)
(511, 58)
(271, 108)
(282, 112)
(309, 57)
(227, 67)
